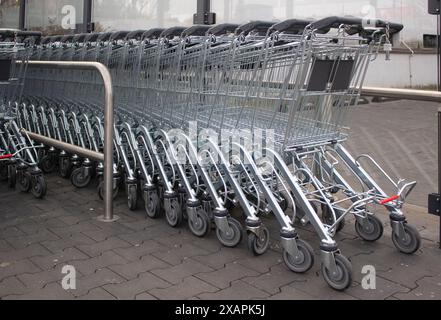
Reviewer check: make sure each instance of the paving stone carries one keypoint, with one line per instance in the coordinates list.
(137, 251)
(4, 246)
(16, 268)
(261, 263)
(140, 225)
(52, 260)
(35, 227)
(25, 241)
(271, 281)
(97, 294)
(107, 259)
(290, 293)
(11, 232)
(131, 289)
(41, 279)
(187, 289)
(53, 291)
(219, 259)
(134, 269)
(98, 279)
(145, 296)
(179, 253)
(144, 235)
(98, 248)
(222, 278)
(384, 289)
(20, 254)
(178, 273)
(12, 286)
(69, 241)
(174, 240)
(80, 227)
(239, 290)
(429, 288)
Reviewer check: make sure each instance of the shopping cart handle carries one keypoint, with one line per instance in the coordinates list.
(6, 156)
(259, 26)
(105, 36)
(385, 201)
(67, 39)
(135, 35)
(354, 22)
(172, 32)
(291, 25)
(223, 28)
(152, 33)
(119, 35)
(196, 31)
(79, 38)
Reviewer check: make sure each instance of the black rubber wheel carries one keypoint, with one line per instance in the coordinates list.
(12, 176)
(65, 167)
(79, 179)
(410, 243)
(39, 186)
(152, 204)
(232, 238)
(342, 279)
(328, 219)
(200, 224)
(259, 245)
(371, 230)
(101, 191)
(173, 213)
(48, 164)
(24, 181)
(132, 197)
(304, 262)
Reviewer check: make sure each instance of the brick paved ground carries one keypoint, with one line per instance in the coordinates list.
(139, 258)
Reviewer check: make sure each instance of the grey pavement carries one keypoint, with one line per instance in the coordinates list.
(140, 258)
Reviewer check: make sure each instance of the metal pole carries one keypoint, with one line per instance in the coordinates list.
(87, 16)
(108, 126)
(203, 14)
(439, 167)
(22, 15)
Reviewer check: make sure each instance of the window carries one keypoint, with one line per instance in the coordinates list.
(9, 13)
(54, 16)
(142, 14)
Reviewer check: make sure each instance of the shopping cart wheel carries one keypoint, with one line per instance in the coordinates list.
(48, 164)
(233, 237)
(411, 241)
(39, 186)
(65, 167)
(152, 204)
(24, 181)
(259, 244)
(371, 230)
(80, 179)
(101, 191)
(132, 197)
(12, 176)
(341, 279)
(173, 213)
(304, 261)
(199, 224)
(329, 219)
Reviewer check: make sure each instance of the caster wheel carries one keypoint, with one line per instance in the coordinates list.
(101, 191)
(152, 204)
(200, 224)
(305, 260)
(173, 213)
(371, 230)
(80, 179)
(132, 197)
(39, 187)
(233, 237)
(65, 168)
(48, 164)
(341, 279)
(12, 176)
(328, 218)
(24, 181)
(259, 245)
(411, 241)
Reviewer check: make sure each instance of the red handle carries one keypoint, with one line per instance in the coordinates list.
(389, 199)
(6, 156)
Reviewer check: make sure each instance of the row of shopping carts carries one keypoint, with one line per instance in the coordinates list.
(210, 118)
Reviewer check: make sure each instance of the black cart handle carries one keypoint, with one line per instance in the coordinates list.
(196, 31)
(291, 25)
(135, 35)
(222, 29)
(335, 22)
(152, 33)
(259, 26)
(172, 32)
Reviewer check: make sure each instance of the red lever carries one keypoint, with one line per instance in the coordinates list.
(389, 199)
(6, 156)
